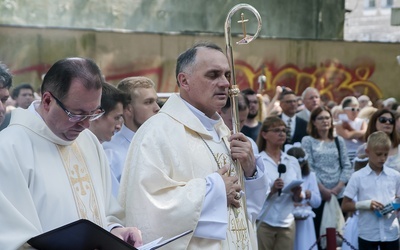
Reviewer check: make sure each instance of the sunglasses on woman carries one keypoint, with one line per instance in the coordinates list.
(383, 119)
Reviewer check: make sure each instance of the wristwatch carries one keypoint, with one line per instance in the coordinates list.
(254, 176)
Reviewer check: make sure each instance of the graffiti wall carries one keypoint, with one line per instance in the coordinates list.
(337, 69)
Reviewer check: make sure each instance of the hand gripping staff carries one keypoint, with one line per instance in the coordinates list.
(233, 88)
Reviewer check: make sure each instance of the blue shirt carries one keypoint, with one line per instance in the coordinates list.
(116, 151)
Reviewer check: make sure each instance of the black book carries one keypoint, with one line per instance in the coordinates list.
(85, 235)
(79, 235)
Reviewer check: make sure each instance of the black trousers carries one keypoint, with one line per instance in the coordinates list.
(373, 245)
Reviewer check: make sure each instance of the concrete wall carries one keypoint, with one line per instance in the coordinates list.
(317, 19)
(336, 68)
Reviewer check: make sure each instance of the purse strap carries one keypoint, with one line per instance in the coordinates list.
(338, 149)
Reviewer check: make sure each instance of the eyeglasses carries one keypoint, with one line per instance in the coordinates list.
(352, 109)
(278, 130)
(320, 118)
(78, 118)
(383, 119)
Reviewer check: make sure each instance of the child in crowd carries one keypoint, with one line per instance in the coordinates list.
(305, 231)
(375, 186)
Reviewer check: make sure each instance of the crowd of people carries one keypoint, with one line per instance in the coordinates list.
(90, 150)
(331, 140)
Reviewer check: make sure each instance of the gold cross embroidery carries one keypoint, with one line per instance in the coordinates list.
(79, 179)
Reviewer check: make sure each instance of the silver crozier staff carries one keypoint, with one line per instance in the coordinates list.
(233, 88)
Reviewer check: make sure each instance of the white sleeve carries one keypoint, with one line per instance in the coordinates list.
(351, 189)
(315, 200)
(253, 146)
(257, 190)
(213, 219)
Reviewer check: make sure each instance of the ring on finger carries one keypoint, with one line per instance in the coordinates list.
(239, 195)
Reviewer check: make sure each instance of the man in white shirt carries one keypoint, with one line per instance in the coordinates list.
(142, 106)
(53, 170)
(376, 188)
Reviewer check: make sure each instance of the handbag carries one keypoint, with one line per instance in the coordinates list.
(332, 217)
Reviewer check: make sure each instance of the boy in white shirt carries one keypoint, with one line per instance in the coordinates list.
(375, 186)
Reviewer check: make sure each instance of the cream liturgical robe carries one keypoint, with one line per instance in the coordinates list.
(46, 182)
(163, 185)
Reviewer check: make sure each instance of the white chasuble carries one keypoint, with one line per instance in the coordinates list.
(81, 183)
(46, 182)
(238, 236)
(163, 185)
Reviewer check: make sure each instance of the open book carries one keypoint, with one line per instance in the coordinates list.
(85, 235)
(158, 243)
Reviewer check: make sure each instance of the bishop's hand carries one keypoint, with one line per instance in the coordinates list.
(242, 151)
(232, 187)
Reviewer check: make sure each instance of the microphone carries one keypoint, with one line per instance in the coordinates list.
(281, 170)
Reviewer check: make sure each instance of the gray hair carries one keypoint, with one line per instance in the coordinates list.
(308, 89)
(188, 57)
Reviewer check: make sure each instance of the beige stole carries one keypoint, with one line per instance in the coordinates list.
(81, 183)
(238, 235)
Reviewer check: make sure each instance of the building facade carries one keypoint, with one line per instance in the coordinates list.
(370, 21)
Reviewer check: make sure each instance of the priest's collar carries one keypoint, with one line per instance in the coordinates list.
(207, 122)
(33, 108)
(27, 118)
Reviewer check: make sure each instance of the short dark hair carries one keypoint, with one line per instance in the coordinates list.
(243, 103)
(59, 78)
(286, 92)
(16, 90)
(188, 57)
(5, 77)
(111, 96)
(248, 92)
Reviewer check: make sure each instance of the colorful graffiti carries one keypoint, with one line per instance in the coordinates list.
(155, 73)
(38, 69)
(333, 79)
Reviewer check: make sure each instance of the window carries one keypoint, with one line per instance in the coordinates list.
(386, 3)
(368, 4)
